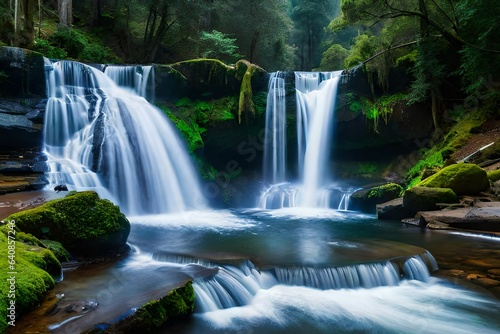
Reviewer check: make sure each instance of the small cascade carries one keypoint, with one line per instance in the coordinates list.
(235, 286)
(316, 95)
(286, 195)
(275, 137)
(138, 78)
(99, 136)
(348, 277)
(230, 287)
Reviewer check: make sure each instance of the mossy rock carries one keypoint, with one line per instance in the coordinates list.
(494, 175)
(425, 199)
(366, 199)
(463, 179)
(58, 249)
(33, 268)
(176, 305)
(82, 222)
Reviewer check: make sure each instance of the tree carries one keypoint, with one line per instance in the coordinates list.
(65, 10)
(442, 42)
(310, 17)
(218, 45)
(261, 27)
(333, 58)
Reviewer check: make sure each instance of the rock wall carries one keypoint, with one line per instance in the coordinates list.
(22, 108)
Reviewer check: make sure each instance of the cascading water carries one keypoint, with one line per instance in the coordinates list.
(138, 78)
(102, 137)
(236, 286)
(316, 94)
(275, 137)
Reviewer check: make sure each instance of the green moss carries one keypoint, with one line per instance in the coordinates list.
(31, 280)
(436, 155)
(82, 222)
(424, 199)
(494, 175)
(177, 304)
(58, 249)
(464, 179)
(392, 190)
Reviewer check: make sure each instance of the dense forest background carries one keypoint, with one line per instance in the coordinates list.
(450, 48)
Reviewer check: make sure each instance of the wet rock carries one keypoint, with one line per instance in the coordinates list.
(366, 200)
(488, 282)
(393, 210)
(494, 273)
(475, 276)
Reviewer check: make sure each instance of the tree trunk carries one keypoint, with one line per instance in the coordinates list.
(253, 47)
(436, 110)
(65, 10)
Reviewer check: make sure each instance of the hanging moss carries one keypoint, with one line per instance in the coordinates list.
(245, 71)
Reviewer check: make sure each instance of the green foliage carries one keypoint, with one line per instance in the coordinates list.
(479, 26)
(436, 155)
(381, 107)
(334, 58)
(363, 48)
(44, 47)
(189, 129)
(218, 45)
(75, 44)
(192, 117)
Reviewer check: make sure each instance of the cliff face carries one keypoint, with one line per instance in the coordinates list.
(22, 107)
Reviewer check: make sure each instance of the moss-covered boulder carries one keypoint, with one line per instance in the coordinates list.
(176, 305)
(82, 222)
(463, 179)
(26, 276)
(366, 200)
(494, 175)
(424, 199)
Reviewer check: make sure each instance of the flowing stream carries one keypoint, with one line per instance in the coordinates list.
(282, 271)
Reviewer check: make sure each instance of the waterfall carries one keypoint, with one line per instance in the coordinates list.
(316, 95)
(138, 78)
(102, 137)
(275, 137)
